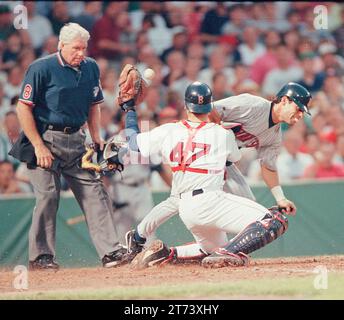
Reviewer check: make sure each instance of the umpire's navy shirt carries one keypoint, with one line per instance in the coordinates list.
(59, 94)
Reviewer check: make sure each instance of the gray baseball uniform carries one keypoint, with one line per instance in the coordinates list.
(249, 117)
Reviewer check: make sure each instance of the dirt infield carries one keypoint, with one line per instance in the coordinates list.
(100, 278)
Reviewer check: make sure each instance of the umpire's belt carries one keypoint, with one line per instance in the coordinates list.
(196, 192)
(67, 130)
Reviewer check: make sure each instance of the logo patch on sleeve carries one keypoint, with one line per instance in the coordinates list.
(95, 91)
(27, 91)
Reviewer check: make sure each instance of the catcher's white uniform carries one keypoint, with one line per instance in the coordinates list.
(197, 154)
(250, 115)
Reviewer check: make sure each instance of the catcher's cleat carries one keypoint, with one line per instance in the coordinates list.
(156, 254)
(43, 262)
(134, 246)
(222, 258)
(116, 258)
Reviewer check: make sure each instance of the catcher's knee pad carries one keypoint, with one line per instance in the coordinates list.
(260, 233)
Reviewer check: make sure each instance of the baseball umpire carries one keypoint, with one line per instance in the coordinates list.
(256, 122)
(59, 94)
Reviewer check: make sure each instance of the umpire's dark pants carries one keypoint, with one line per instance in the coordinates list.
(87, 188)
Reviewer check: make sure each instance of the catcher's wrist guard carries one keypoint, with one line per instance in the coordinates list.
(108, 160)
(128, 105)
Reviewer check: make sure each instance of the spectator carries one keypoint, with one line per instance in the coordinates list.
(340, 149)
(12, 51)
(12, 87)
(291, 163)
(6, 22)
(250, 49)
(196, 50)
(236, 22)
(213, 22)
(150, 107)
(339, 34)
(332, 62)
(324, 166)
(155, 31)
(92, 12)
(285, 72)
(39, 27)
(272, 20)
(5, 104)
(192, 69)
(105, 34)
(243, 84)
(176, 64)
(8, 182)
(220, 86)
(9, 136)
(333, 88)
(268, 61)
(26, 57)
(179, 42)
(292, 40)
(311, 79)
(310, 144)
(59, 16)
(217, 62)
(49, 45)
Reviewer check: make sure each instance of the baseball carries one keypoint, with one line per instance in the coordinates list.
(149, 74)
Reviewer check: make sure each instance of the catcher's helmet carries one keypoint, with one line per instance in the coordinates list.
(297, 93)
(198, 98)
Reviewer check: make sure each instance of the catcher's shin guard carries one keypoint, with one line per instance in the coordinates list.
(258, 234)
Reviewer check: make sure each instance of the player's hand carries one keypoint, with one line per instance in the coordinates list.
(288, 207)
(100, 142)
(44, 156)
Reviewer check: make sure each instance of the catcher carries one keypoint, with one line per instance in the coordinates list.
(197, 151)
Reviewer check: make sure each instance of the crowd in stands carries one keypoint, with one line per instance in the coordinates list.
(247, 47)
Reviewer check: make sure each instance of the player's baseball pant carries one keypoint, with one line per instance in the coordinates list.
(87, 188)
(211, 215)
(158, 215)
(235, 184)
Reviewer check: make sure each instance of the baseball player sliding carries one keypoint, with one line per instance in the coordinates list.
(197, 151)
(255, 122)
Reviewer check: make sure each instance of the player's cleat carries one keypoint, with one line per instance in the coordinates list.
(222, 258)
(156, 254)
(43, 262)
(116, 258)
(134, 246)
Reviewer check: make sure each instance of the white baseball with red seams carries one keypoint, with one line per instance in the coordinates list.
(149, 74)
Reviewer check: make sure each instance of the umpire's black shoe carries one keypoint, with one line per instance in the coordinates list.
(43, 262)
(116, 258)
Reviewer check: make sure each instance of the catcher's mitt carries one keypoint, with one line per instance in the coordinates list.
(109, 160)
(132, 88)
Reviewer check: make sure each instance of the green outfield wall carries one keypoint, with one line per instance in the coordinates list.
(317, 229)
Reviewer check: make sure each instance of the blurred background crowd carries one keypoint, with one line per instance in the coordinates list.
(233, 47)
